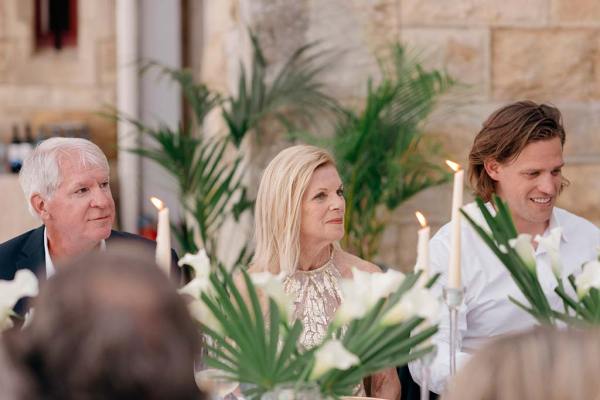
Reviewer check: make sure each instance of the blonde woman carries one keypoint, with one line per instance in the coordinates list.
(299, 220)
(542, 364)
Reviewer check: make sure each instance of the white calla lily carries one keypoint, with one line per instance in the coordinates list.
(551, 244)
(418, 302)
(24, 284)
(200, 263)
(363, 291)
(332, 355)
(201, 313)
(524, 248)
(272, 286)
(589, 278)
(28, 318)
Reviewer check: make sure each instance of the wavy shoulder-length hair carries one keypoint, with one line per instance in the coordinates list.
(278, 206)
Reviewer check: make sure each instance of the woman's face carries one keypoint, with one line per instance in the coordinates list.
(323, 206)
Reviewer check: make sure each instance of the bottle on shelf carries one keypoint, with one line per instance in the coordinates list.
(14, 151)
(27, 143)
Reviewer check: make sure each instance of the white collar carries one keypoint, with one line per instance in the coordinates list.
(50, 269)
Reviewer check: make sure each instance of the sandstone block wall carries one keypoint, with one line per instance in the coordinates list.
(544, 50)
(80, 79)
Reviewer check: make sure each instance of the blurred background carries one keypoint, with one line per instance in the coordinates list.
(243, 79)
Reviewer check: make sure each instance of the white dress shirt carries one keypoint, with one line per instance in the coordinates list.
(50, 270)
(487, 312)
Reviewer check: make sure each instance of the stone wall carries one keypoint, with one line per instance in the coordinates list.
(39, 83)
(544, 50)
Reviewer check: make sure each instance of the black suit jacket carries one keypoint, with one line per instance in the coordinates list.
(26, 251)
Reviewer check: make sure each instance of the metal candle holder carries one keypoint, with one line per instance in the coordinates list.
(453, 298)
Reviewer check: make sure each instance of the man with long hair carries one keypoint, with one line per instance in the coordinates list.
(517, 155)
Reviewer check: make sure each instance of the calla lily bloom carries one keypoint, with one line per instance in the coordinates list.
(551, 244)
(363, 291)
(417, 301)
(199, 262)
(272, 286)
(589, 278)
(25, 284)
(332, 355)
(524, 248)
(201, 266)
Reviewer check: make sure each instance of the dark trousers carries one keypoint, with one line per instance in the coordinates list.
(410, 389)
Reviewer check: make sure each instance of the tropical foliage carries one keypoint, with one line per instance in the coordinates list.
(209, 172)
(381, 153)
(388, 325)
(516, 252)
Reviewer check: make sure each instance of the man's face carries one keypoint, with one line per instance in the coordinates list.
(81, 211)
(530, 183)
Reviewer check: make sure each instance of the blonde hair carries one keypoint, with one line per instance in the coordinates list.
(278, 206)
(542, 364)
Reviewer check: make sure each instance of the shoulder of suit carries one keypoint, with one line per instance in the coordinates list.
(118, 235)
(18, 241)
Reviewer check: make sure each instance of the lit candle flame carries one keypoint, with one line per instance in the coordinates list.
(157, 202)
(421, 219)
(455, 167)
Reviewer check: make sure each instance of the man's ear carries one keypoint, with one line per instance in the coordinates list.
(492, 167)
(40, 206)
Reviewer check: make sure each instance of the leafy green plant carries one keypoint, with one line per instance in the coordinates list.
(516, 253)
(208, 175)
(502, 232)
(209, 188)
(381, 154)
(294, 93)
(263, 352)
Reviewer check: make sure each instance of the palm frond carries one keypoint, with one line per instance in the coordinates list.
(295, 92)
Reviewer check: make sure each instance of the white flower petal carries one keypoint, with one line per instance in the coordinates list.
(332, 354)
(24, 284)
(199, 262)
(551, 244)
(28, 318)
(417, 301)
(524, 248)
(384, 284)
(196, 287)
(272, 286)
(589, 278)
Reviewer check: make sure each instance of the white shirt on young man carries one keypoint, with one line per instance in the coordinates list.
(486, 311)
(50, 269)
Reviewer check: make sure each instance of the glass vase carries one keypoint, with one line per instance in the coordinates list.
(294, 391)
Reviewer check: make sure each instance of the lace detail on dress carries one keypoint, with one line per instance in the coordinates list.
(317, 296)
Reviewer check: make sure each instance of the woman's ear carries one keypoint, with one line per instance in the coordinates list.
(492, 167)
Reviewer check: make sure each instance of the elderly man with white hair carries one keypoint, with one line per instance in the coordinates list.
(66, 184)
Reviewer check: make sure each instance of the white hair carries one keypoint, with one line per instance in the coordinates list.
(41, 173)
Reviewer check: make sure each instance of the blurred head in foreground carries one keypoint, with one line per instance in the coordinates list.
(542, 364)
(111, 326)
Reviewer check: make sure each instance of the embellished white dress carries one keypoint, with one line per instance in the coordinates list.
(317, 296)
